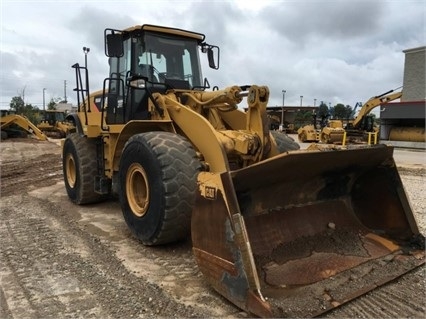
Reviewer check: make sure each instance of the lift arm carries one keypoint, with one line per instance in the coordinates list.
(374, 102)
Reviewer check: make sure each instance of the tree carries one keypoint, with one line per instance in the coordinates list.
(303, 117)
(349, 112)
(323, 114)
(323, 111)
(341, 112)
(17, 104)
(51, 105)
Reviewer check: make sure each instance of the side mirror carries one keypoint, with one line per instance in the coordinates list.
(113, 44)
(212, 54)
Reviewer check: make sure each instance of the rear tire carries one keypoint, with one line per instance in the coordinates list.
(158, 178)
(80, 168)
(284, 142)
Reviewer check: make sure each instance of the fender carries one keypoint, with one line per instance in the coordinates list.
(73, 118)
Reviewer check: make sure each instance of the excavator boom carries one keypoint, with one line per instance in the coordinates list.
(24, 123)
(374, 102)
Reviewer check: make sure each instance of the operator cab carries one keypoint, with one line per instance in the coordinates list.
(148, 59)
(52, 117)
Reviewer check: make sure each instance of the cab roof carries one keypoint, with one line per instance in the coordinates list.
(167, 30)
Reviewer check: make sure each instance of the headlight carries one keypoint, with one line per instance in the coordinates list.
(139, 83)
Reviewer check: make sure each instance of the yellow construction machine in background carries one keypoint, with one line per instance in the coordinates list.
(14, 125)
(279, 231)
(362, 128)
(308, 133)
(333, 132)
(356, 131)
(53, 124)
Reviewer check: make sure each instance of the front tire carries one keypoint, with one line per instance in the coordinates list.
(158, 178)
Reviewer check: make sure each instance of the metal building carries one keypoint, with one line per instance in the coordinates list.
(403, 123)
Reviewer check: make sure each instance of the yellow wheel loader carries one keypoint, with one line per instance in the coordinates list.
(277, 230)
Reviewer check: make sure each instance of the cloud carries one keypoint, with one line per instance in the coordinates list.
(89, 22)
(336, 20)
(337, 51)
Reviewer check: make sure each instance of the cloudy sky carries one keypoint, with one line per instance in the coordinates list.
(336, 51)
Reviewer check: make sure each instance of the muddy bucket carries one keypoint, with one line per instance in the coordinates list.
(306, 231)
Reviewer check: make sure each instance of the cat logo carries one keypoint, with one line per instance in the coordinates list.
(210, 192)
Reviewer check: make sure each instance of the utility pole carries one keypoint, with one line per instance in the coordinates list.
(23, 94)
(44, 104)
(86, 51)
(282, 112)
(65, 91)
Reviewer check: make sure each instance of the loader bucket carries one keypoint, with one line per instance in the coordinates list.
(306, 231)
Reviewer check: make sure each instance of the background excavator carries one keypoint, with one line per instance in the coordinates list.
(14, 125)
(355, 131)
(276, 230)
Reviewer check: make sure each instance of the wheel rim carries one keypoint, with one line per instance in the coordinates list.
(70, 170)
(137, 189)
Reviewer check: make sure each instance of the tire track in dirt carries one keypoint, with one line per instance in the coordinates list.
(171, 267)
(27, 174)
(32, 258)
(57, 281)
(402, 298)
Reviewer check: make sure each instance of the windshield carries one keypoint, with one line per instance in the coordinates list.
(162, 57)
(54, 116)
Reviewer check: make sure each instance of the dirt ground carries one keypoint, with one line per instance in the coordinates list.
(59, 260)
